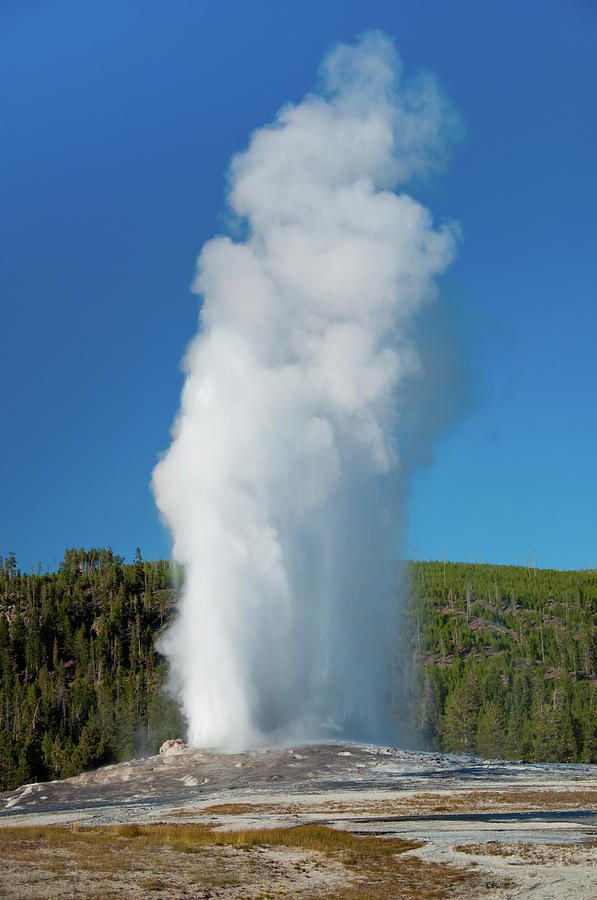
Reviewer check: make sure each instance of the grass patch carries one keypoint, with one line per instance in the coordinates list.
(238, 809)
(188, 837)
(122, 857)
(488, 848)
(525, 853)
(549, 799)
(229, 809)
(152, 883)
(468, 801)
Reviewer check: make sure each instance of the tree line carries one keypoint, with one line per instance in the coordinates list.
(499, 661)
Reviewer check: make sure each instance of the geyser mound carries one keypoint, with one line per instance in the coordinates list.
(282, 484)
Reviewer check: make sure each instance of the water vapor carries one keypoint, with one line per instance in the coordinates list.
(282, 484)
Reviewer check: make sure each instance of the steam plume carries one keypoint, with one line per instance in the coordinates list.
(280, 483)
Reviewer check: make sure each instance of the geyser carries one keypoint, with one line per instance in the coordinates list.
(282, 484)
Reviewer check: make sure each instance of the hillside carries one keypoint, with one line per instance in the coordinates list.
(495, 660)
(80, 677)
(504, 660)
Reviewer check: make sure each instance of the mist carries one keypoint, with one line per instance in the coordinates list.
(284, 484)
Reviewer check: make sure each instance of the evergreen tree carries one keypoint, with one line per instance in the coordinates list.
(490, 739)
(460, 723)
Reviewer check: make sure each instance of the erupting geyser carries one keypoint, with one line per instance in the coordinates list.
(280, 487)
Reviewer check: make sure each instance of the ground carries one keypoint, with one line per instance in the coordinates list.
(330, 820)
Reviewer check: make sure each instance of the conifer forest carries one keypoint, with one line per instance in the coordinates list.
(498, 661)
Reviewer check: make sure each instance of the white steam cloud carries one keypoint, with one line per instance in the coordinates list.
(281, 484)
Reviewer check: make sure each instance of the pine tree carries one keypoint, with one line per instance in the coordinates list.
(490, 739)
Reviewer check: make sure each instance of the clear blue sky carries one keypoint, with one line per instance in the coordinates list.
(118, 122)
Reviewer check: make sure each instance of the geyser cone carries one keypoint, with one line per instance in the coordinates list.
(277, 485)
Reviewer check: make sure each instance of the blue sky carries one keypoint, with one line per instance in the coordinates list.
(119, 120)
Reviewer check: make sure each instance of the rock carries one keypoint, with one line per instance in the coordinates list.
(173, 746)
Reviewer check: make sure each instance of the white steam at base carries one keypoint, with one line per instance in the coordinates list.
(280, 484)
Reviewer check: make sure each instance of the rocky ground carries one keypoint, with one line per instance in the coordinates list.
(456, 826)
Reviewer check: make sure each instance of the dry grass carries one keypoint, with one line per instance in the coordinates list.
(423, 804)
(188, 838)
(488, 848)
(467, 801)
(548, 800)
(306, 861)
(525, 853)
(239, 809)
(231, 809)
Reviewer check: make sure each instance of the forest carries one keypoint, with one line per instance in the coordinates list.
(499, 661)
(80, 678)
